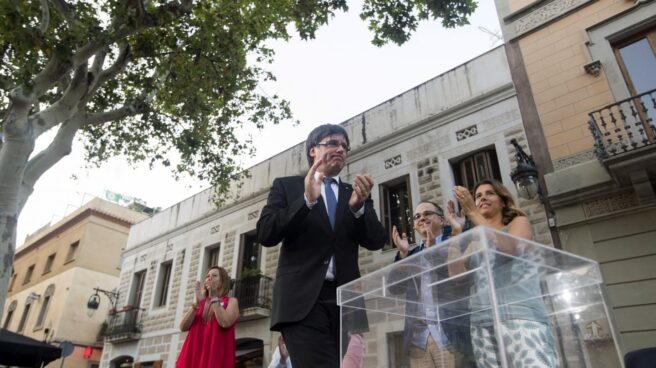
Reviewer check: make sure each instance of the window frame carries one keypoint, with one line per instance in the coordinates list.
(24, 317)
(385, 215)
(488, 156)
(10, 314)
(650, 36)
(73, 249)
(49, 263)
(137, 289)
(209, 252)
(600, 37)
(242, 247)
(43, 312)
(163, 284)
(29, 274)
(14, 276)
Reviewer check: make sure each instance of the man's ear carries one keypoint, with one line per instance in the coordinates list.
(313, 152)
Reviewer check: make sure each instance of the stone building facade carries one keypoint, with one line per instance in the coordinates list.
(55, 273)
(453, 129)
(585, 74)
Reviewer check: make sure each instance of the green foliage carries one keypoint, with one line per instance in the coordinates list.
(188, 77)
(248, 273)
(395, 20)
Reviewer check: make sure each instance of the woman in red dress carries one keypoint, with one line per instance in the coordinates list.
(211, 324)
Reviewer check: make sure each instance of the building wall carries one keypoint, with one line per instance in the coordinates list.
(418, 133)
(599, 213)
(101, 229)
(563, 91)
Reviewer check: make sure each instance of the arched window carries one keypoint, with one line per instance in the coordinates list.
(47, 297)
(10, 313)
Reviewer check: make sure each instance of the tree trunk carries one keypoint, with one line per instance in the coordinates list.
(7, 246)
(15, 150)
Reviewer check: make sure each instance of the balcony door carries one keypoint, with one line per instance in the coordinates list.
(636, 57)
(249, 260)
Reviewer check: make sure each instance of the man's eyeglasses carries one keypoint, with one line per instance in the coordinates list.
(333, 144)
(417, 216)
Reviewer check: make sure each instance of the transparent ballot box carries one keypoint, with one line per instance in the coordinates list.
(481, 299)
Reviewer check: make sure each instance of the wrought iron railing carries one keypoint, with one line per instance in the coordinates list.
(254, 292)
(624, 125)
(123, 324)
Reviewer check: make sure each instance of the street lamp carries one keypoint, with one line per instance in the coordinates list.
(94, 300)
(525, 175)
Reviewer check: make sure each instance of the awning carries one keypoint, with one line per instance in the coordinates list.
(22, 351)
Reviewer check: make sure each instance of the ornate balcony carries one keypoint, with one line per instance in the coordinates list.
(123, 326)
(254, 295)
(625, 142)
(624, 126)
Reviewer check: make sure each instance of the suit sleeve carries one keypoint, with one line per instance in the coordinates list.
(396, 274)
(280, 216)
(371, 233)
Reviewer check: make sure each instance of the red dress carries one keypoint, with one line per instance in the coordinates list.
(208, 345)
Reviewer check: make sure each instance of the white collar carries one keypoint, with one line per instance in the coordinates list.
(316, 176)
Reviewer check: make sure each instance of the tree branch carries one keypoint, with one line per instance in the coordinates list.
(111, 72)
(60, 147)
(65, 107)
(45, 17)
(145, 20)
(56, 67)
(98, 61)
(92, 76)
(104, 117)
(41, 83)
(64, 9)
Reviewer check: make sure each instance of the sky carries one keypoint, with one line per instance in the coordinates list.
(330, 79)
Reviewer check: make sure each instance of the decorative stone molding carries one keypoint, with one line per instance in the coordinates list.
(610, 204)
(593, 68)
(530, 18)
(573, 160)
(215, 229)
(466, 132)
(391, 162)
(253, 215)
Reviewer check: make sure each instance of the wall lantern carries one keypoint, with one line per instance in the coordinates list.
(525, 175)
(94, 299)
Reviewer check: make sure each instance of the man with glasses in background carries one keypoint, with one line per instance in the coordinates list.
(431, 343)
(320, 221)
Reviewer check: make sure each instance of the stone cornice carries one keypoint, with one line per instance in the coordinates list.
(213, 216)
(538, 14)
(58, 229)
(433, 121)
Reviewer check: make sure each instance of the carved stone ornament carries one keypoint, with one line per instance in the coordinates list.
(466, 133)
(544, 14)
(593, 68)
(394, 161)
(612, 203)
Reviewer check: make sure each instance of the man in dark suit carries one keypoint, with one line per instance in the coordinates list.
(320, 223)
(433, 344)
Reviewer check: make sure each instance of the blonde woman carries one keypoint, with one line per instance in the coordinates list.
(210, 322)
